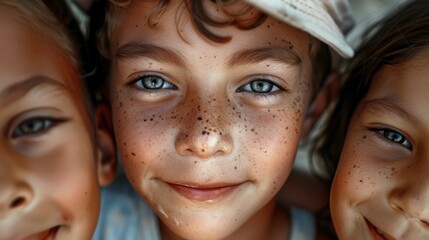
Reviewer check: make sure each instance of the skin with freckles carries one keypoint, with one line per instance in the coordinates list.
(379, 132)
(208, 132)
(382, 179)
(49, 160)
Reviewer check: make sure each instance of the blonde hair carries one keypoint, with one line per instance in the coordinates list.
(36, 15)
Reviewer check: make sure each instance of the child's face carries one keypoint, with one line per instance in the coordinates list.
(207, 132)
(382, 183)
(48, 175)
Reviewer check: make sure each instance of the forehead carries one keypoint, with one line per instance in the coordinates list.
(138, 22)
(404, 78)
(25, 53)
(405, 85)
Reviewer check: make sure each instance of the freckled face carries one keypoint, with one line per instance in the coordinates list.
(48, 177)
(207, 132)
(382, 183)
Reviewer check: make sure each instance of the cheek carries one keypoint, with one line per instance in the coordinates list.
(69, 177)
(358, 175)
(270, 141)
(143, 136)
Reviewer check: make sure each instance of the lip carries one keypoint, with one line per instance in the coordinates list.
(49, 234)
(209, 194)
(376, 233)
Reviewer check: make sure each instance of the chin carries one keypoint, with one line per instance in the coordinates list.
(196, 229)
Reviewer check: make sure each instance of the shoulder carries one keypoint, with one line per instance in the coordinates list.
(124, 215)
(302, 224)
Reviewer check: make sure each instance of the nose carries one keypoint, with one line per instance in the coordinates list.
(12, 199)
(205, 135)
(412, 198)
(15, 194)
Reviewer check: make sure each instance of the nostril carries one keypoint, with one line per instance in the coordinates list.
(18, 201)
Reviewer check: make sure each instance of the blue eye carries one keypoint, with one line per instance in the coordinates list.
(259, 86)
(32, 126)
(395, 137)
(152, 82)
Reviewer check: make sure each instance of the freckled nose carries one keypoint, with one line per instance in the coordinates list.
(204, 135)
(203, 144)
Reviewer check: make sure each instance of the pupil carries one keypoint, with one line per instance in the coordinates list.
(394, 136)
(153, 83)
(259, 86)
(33, 126)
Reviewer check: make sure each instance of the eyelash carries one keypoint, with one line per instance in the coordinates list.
(266, 86)
(142, 82)
(258, 83)
(393, 136)
(42, 125)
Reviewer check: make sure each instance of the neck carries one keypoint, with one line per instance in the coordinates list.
(270, 222)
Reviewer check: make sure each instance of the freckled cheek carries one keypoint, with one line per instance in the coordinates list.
(357, 173)
(272, 142)
(273, 129)
(143, 138)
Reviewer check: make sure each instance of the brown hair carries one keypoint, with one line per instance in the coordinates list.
(318, 51)
(394, 40)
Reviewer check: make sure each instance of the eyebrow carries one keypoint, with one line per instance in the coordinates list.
(279, 54)
(19, 89)
(387, 108)
(247, 56)
(135, 49)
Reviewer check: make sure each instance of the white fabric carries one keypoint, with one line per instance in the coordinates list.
(319, 18)
(81, 17)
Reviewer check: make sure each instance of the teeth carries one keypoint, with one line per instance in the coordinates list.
(379, 232)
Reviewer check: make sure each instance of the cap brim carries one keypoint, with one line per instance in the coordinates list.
(309, 16)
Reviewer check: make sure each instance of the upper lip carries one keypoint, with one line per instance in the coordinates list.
(381, 232)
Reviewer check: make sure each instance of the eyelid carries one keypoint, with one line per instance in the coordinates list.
(54, 122)
(138, 76)
(377, 131)
(52, 114)
(264, 78)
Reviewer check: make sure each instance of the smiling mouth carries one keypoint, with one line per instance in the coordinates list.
(204, 194)
(45, 235)
(377, 233)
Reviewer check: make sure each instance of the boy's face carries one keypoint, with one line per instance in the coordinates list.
(207, 132)
(48, 175)
(381, 189)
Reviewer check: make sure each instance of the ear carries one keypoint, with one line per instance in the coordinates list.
(324, 97)
(107, 161)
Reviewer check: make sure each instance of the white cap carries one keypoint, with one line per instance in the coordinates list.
(327, 20)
